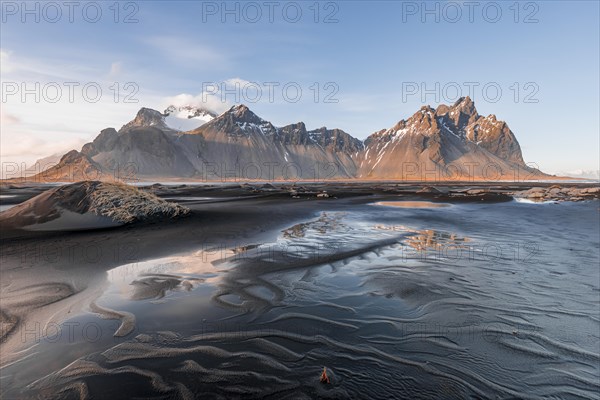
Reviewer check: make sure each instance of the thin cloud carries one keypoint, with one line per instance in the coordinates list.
(17, 67)
(204, 100)
(5, 61)
(30, 146)
(232, 82)
(8, 119)
(214, 100)
(180, 50)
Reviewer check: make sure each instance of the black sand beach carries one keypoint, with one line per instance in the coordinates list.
(260, 286)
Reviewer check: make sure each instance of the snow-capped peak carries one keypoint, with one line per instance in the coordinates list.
(187, 117)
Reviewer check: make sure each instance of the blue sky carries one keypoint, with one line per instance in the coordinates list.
(374, 58)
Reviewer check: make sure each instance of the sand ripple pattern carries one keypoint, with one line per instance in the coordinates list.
(384, 303)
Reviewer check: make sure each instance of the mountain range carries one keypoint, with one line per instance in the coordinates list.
(452, 142)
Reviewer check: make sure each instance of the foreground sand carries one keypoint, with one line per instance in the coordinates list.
(69, 267)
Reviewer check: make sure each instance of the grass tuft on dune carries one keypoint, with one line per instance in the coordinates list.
(89, 205)
(124, 203)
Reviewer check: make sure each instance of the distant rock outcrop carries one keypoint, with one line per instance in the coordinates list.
(557, 194)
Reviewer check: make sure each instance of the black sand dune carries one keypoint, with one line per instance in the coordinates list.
(88, 205)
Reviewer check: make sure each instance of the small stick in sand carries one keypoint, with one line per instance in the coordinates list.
(324, 378)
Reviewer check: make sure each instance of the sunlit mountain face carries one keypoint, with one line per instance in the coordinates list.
(452, 143)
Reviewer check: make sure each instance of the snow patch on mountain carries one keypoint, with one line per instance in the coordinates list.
(187, 118)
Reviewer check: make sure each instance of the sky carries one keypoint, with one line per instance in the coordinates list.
(69, 70)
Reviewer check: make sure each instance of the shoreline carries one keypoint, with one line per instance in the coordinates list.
(238, 180)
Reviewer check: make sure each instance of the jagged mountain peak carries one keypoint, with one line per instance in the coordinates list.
(239, 108)
(424, 112)
(324, 129)
(70, 157)
(146, 112)
(298, 127)
(148, 117)
(174, 118)
(423, 121)
(241, 113)
(464, 102)
(463, 105)
(336, 139)
(239, 120)
(459, 116)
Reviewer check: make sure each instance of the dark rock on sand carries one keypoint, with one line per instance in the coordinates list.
(475, 196)
(557, 193)
(430, 189)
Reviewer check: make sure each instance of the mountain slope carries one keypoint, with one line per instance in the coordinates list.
(239, 143)
(234, 145)
(74, 166)
(493, 135)
(452, 142)
(448, 143)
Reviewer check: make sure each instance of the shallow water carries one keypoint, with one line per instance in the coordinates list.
(411, 204)
(467, 301)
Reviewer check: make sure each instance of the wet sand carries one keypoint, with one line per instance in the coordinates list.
(305, 276)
